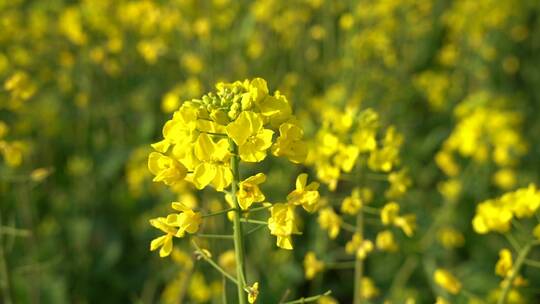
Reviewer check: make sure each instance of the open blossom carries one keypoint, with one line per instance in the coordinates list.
(252, 139)
(304, 194)
(359, 246)
(249, 192)
(166, 169)
(353, 203)
(214, 165)
(447, 280)
(290, 144)
(312, 265)
(174, 225)
(164, 241)
(282, 224)
(330, 221)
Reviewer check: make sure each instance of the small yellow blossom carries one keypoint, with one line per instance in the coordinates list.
(252, 139)
(330, 221)
(446, 280)
(385, 241)
(358, 246)
(312, 266)
(282, 224)
(304, 194)
(369, 290)
(253, 292)
(353, 203)
(166, 169)
(249, 192)
(504, 265)
(290, 144)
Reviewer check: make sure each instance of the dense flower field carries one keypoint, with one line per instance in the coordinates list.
(306, 151)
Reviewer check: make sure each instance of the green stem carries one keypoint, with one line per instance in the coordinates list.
(359, 265)
(514, 273)
(370, 210)
(237, 225)
(253, 221)
(217, 212)
(348, 227)
(310, 299)
(254, 229)
(532, 263)
(4, 276)
(214, 264)
(214, 236)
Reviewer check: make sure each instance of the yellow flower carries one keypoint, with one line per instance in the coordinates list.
(399, 182)
(253, 292)
(450, 237)
(369, 290)
(282, 223)
(446, 280)
(385, 241)
(330, 221)
(446, 162)
(358, 246)
(290, 144)
(166, 169)
(407, 223)
(180, 131)
(165, 241)
(249, 192)
(312, 266)
(252, 139)
(305, 195)
(491, 215)
(214, 167)
(186, 221)
(353, 203)
(450, 189)
(504, 265)
(389, 213)
(346, 157)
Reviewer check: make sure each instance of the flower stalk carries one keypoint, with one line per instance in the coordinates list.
(359, 263)
(522, 256)
(237, 225)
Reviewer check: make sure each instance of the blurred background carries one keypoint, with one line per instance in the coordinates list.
(88, 85)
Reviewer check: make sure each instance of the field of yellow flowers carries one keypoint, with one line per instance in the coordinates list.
(265, 151)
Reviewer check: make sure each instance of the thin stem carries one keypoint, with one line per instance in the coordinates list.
(370, 210)
(214, 236)
(512, 241)
(532, 263)
(224, 292)
(214, 264)
(4, 276)
(348, 227)
(253, 221)
(257, 209)
(359, 263)
(217, 212)
(254, 229)
(310, 299)
(237, 225)
(514, 273)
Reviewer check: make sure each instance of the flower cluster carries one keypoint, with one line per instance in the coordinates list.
(497, 214)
